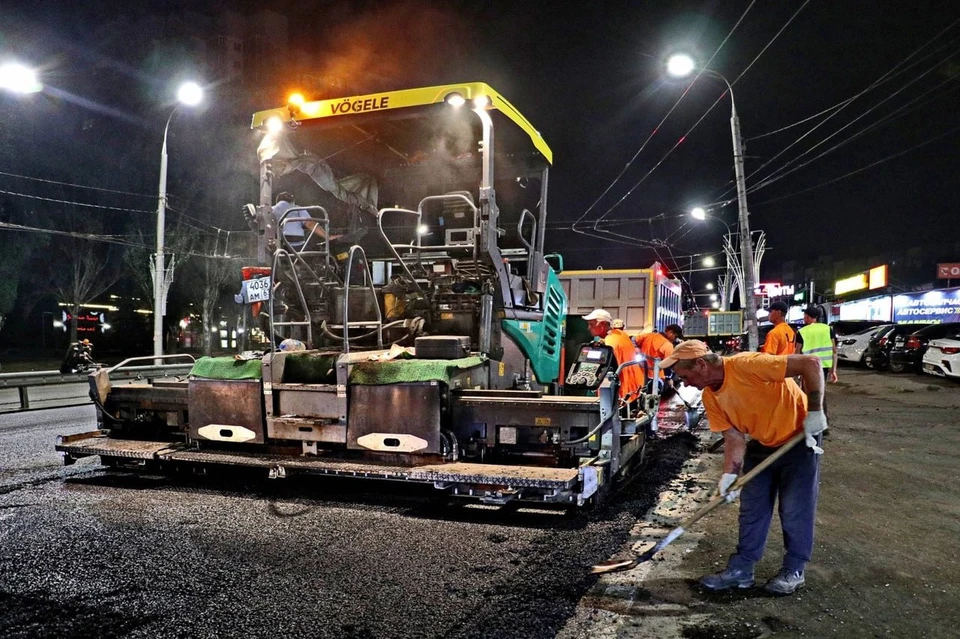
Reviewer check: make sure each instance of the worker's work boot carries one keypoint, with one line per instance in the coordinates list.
(729, 578)
(785, 583)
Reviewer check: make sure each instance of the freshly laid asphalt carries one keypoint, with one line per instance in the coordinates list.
(84, 552)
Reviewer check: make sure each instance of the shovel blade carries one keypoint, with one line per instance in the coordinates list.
(613, 566)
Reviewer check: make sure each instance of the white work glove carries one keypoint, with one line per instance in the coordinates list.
(726, 480)
(813, 424)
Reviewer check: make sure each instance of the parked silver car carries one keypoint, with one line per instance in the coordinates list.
(850, 348)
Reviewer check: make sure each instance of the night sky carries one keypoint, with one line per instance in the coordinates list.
(590, 77)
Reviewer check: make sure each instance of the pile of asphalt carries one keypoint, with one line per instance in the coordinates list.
(116, 555)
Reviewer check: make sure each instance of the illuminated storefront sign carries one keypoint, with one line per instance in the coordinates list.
(873, 308)
(848, 285)
(929, 307)
(878, 277)
(948, 271)
(873, 279)
(774, 289)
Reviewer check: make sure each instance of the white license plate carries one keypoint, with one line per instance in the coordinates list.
(257, 290)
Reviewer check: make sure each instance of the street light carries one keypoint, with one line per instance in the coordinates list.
(18, 78)
(700, 213)
(682, 65)
(189, 94)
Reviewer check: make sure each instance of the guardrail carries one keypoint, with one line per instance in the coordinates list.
(24, 381)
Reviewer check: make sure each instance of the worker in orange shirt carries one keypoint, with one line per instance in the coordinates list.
(603, 326)
(753, 400)
(659, 346)
(781, 340)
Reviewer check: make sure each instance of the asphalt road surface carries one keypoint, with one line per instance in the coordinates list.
(84, 552)
(886, 557)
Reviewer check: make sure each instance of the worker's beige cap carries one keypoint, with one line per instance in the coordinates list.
(691, 349)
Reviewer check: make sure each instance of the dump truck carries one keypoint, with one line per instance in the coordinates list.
(646, 299)
(722, 330)
(415, 325)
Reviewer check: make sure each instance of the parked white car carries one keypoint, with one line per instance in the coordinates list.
(942, 357)
(850, 348)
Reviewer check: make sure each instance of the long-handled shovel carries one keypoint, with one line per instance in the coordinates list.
(627, 564)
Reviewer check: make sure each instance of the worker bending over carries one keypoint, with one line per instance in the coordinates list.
(752, 394)
(659, 346)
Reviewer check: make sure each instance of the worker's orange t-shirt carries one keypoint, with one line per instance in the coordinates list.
(780, 340)
(631, 378)
(756, 399)
(654, 345)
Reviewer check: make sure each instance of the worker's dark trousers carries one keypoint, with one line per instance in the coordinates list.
(793, 480)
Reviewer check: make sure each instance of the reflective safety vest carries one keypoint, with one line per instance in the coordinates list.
(816, 341)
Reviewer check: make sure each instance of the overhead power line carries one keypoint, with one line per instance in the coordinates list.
(631, 240)
(111, 239)
(702, 117)
(84, 204)
(863, 168)
(76, 186)
(783, 170)
(901, 67)
(209, 230)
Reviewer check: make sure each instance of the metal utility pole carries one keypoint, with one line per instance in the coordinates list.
(746, 240)
(159, 271)
(681, 65)
(189, 94)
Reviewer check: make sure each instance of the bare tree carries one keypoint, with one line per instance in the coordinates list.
(80, 271)
(215, 274)
(15, 249)
(137, 259)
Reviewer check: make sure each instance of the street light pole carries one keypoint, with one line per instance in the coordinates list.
(746, 240)
(189, 94)
(682, 65)
(159, 272)
(699, 213)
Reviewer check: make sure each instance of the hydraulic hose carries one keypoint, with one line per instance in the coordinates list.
(596, 429)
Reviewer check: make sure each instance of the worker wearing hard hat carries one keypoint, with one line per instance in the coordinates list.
(603, 326)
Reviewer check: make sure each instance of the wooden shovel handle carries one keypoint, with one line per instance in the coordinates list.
(743, 480)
